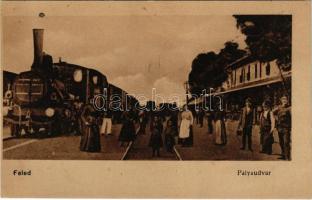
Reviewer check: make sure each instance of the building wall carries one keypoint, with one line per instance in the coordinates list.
(251, 72)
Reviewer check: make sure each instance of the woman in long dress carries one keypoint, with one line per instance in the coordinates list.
(127, 132)
(220, 131)
(158, 123)
(143, 121)
(170, 132)
(156, 141)
(186, 125)
(90, 139)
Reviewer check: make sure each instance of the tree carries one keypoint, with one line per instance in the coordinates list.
(202, 68)
(227, 55)
(208, 69)
(268, 37)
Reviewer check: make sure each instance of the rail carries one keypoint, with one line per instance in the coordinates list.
(124, 156)
(177, 154)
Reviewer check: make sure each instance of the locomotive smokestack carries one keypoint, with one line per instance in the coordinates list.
(38, 51)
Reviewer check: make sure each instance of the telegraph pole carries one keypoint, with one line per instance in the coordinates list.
(186, 86)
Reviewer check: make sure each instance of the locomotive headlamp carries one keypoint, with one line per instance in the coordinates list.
(8, 94)
(78, 75)
(49, 112)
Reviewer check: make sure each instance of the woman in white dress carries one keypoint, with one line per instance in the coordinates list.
(220, 130)
(186, 123)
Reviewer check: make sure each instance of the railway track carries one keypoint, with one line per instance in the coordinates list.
(139, 150)
(124, 156)
(177, 153)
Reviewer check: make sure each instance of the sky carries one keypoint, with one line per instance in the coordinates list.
(135, 52)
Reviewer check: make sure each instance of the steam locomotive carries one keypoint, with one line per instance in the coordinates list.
(41, 96)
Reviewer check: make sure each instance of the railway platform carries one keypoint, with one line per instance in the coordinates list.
(62, 148)
(67, 147)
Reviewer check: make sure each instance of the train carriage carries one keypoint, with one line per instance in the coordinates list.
(80, 82)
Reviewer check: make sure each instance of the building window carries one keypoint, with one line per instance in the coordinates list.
(267, 69)
(248, 73)
(235, 77)
(232, 78)
(256, 70)
(241, 76)
(260, 64)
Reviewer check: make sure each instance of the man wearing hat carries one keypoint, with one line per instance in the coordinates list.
(246, 121)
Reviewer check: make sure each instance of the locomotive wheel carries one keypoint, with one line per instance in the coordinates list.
(27, 130)
(36, 130)
(51, 130)
(41, 134)
(15, 130)
(55, 127)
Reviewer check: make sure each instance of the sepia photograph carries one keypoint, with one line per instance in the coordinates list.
(152, 82)
(147, 88)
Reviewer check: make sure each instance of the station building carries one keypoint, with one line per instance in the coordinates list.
(248, 77)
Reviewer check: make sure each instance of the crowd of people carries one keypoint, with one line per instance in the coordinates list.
(271, 118)
(94, 123)
(177, 127)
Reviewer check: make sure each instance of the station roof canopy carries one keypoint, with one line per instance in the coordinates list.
(243, 87)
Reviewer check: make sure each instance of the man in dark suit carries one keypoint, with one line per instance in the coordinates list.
(246, 121)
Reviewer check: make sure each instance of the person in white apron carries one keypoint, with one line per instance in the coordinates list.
(186, 123)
